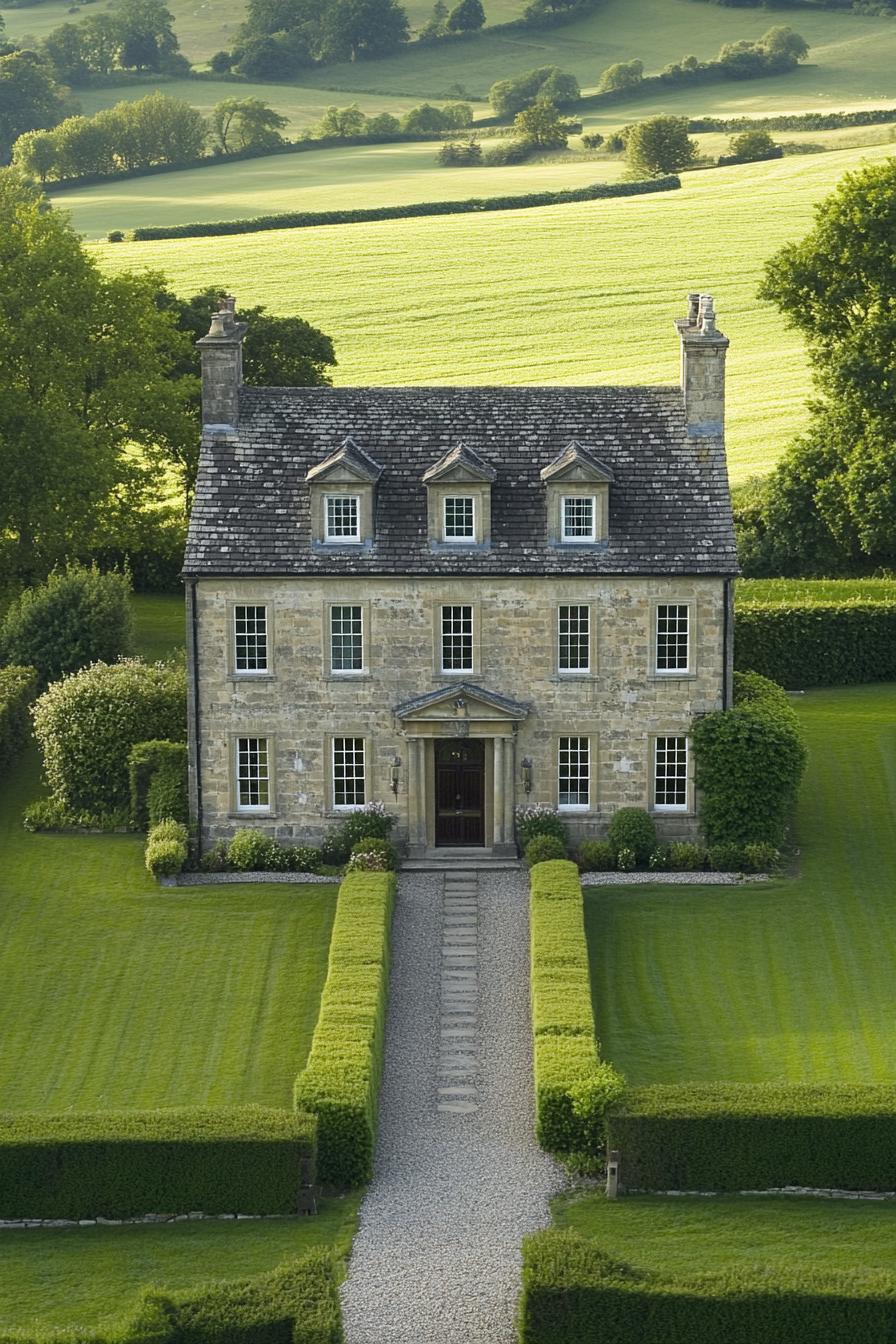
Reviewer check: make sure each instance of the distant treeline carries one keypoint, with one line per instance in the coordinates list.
(316, 218)
(874, 7)
(803, 121)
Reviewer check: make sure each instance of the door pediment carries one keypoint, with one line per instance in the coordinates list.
(462, 703)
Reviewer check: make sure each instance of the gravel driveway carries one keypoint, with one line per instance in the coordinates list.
(437, 1256)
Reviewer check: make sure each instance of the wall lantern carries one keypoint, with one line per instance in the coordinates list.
(526, 766)
(393, 773)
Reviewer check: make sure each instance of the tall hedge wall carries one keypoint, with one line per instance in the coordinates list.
(341, 1081)
(802, 646)
(18, 688)
(573, 1087)
(574, 1293)
(296, 1303)
(123, 1164)
(724, 1136)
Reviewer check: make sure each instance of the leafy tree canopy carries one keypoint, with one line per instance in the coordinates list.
(466, 17)
(659, 145)
(30, 98)
(541, 125)
(246, 123)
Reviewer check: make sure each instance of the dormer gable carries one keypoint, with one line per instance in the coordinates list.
(459, 499)
(342, 490)
(577, 485)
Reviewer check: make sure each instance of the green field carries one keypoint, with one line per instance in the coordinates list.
(203, 26)
(684, 1237)
(576, 294)
(159, 624)
(77, 1276)
(788, 981)
(814, 592)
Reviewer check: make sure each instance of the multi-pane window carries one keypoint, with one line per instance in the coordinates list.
(348, 772)
(670, 774)
(457, 639)
(459, 521)
(250, 639)
(253, 780)
(672, 620)
(577, 518)
(342, 518)
(573, 650)
(574, 773)
(346, 639)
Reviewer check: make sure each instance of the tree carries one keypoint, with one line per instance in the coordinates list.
(424, 120)
(84, 380)
(622, 75)
(36, 154)
(146, 33)
(64, 47)
(838, 287)
(78, 616)
(561, 87)
(751, 145)
(457, 116)
(466, 17)
(101, 42)
(359, 29)
(341, 121)
(782, 43)
(30, 98)
(659, 145)
(541, 125)
(383, 124)
(246, 123)
(509, 96)
(84, 146)
(437, 24)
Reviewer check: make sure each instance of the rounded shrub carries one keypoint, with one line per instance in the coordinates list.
(381, 847)
(660, 860)
(166, 848)
(595, 856)
(632, 828)
(626, 860)
(727, 858)
(251, 852)
(79, 616)
(685, 857)
(539, 819)
(543, 848)
(87, 723)
(304, 859)
(371, 822)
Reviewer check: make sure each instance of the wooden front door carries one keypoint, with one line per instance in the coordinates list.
(460, 793)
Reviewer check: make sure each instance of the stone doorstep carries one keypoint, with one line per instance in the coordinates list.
(458, 1091)
(457, 1107)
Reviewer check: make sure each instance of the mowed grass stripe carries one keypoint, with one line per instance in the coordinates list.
(786, 982)
(576, 294)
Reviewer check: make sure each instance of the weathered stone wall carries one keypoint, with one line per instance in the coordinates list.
(620, 704)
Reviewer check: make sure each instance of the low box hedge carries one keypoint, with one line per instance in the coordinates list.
(123, 1164)
(157, 779)
(18, 690)
(312, 219)
(296, 1303)
(725, 1136)
(340, 1082)
(802, 646)
(574, 1293)
(573, 1087)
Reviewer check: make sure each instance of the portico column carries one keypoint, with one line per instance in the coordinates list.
(413, 790)
(498, 801)
(509, 788)
(420, 751)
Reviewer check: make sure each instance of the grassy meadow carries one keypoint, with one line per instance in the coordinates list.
(203, 26)
(813, 592)
(785, 981)
(574, 294)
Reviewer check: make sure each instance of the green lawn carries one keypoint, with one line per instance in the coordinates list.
(790, 981)
(815, 592)
(683, 1237)
(159, 624)
(77, 1276)
(575, 294)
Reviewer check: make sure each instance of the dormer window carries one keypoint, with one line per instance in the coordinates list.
(343, 518)
(459, 495)
(577, 485)
(342, 490)
(460, 518)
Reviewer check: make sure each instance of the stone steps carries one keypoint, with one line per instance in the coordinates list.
(457, 1085)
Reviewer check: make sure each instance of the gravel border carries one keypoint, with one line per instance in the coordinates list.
(696, 879)
(15, 1225)
(233, 879)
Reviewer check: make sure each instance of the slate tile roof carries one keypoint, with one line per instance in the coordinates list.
(670, 509)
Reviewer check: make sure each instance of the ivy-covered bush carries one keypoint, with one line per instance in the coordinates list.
(157, 779)
(87, 724)
(595, 856)
(542, 848)
(166, 848)
(538, 819)
(18, 687)
(78, 616)
(748, 764)
(632, 828)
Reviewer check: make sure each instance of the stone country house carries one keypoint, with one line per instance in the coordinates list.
(456, 600)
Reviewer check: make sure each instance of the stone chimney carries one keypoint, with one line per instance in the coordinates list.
(222, 368)
(703, 350)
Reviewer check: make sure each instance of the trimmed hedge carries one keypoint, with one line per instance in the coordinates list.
(796, 121)
(18, 689)
(157, 778)
(121, 1164)
(573, 1087)
(296, 1303)
(341, 1080)
(727, 1136)
(312, 219)
(801, 646)
(726, 160)
(574, 1293)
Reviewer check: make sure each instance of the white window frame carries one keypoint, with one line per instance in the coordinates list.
(685, 778)
(342, 538)
(457, 606)
(469, 540)
(355, 806)
(573, 539)
(580, 738)
(250, 671)
(346, 671)
(251, 809)
(580, 671)
(673, 671)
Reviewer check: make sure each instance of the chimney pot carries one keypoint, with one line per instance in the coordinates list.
(693, 309)
(703, 349)
(222, 366)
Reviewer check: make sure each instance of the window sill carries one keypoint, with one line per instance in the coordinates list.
(672, 676)
(672, 812)
(560, 677)
(240, 678)
(363, 674)
(261, 815)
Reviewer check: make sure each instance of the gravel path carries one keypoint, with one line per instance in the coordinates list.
(437, 1256)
